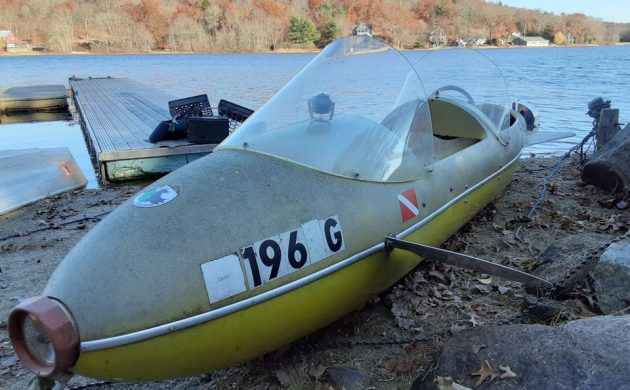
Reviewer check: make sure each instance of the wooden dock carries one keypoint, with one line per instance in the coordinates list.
(117, 117)
(33, 98)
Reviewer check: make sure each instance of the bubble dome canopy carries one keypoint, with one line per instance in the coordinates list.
(357, 110)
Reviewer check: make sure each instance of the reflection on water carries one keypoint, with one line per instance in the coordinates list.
(28, 117)
(47, 135)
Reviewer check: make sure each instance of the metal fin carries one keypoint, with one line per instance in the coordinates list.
(540, 137)
(464, 261)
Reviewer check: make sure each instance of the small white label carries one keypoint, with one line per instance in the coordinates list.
(223, 277)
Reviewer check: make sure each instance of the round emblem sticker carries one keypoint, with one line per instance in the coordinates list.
(156, 196)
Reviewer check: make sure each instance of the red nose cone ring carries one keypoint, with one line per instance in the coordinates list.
(42, 326)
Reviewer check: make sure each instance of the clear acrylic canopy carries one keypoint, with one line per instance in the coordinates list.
(358, 110)
(469, 77)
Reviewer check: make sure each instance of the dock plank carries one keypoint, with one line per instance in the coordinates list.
(118, 115)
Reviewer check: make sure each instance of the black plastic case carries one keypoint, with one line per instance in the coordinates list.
(208, 130)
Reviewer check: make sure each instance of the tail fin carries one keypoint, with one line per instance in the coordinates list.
(539, 137)
(532, 136)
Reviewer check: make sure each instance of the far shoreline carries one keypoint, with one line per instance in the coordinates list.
(284, 51)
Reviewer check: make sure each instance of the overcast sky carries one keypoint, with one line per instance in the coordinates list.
(608, 10)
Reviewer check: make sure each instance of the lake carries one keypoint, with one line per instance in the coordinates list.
(558, 82)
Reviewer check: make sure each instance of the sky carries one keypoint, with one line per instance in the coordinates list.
(608, 10)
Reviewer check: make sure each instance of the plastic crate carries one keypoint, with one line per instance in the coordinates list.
(193, 106)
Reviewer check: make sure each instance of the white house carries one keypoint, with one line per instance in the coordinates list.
(362, 29)
(531, 41)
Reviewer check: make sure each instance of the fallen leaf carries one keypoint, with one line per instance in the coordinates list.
(485, 280)
(484, 372)
(317, 371)
(503, 289)
(283, 377)
(474, 319)
(446, 383)
(438, 275)
(477, 347)
(508, 373)
(482, 288)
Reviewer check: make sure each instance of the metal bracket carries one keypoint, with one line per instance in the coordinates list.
(464, 261)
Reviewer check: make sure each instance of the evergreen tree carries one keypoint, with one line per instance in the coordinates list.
(302, 30)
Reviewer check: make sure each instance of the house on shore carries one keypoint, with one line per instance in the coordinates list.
(362, 29)
(18, 47)
(531, 41)
(7, 35)
(438, 38)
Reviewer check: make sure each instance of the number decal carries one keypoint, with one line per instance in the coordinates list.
(248, 253)
(288, 252)
(330, 232)
(296, 248)
(272, 261)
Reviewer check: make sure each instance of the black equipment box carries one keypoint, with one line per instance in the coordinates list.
(208, 130)
(234, 111)
(190, 106)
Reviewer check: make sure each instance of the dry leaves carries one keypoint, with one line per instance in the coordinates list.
(317, 371)
(474, 319)
(503, 290)
(485, 280)
(447, 383)
(507, 374)
(477, 347)
(484, 373)
(283, 378)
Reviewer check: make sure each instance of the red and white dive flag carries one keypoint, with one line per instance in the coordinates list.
(408, 205)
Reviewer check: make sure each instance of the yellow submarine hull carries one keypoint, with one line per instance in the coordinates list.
(264, 327)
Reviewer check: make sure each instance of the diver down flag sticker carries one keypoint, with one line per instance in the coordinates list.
(408, 205)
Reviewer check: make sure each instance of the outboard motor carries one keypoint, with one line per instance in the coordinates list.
(530, 115)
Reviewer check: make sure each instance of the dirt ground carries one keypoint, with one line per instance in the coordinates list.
(428, 305)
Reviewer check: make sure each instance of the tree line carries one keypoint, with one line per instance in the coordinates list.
(262, 25)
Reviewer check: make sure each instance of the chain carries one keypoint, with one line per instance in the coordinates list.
(559, 286)
(88, 385)
(318, 346)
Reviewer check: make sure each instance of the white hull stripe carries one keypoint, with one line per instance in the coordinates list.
(407, 203)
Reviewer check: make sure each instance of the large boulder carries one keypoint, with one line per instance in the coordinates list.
(612, 279)
(565, 255)
(591, 353)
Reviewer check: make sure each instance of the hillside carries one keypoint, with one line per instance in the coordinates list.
(263, 25)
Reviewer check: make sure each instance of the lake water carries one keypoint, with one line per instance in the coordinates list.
(558, 82)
